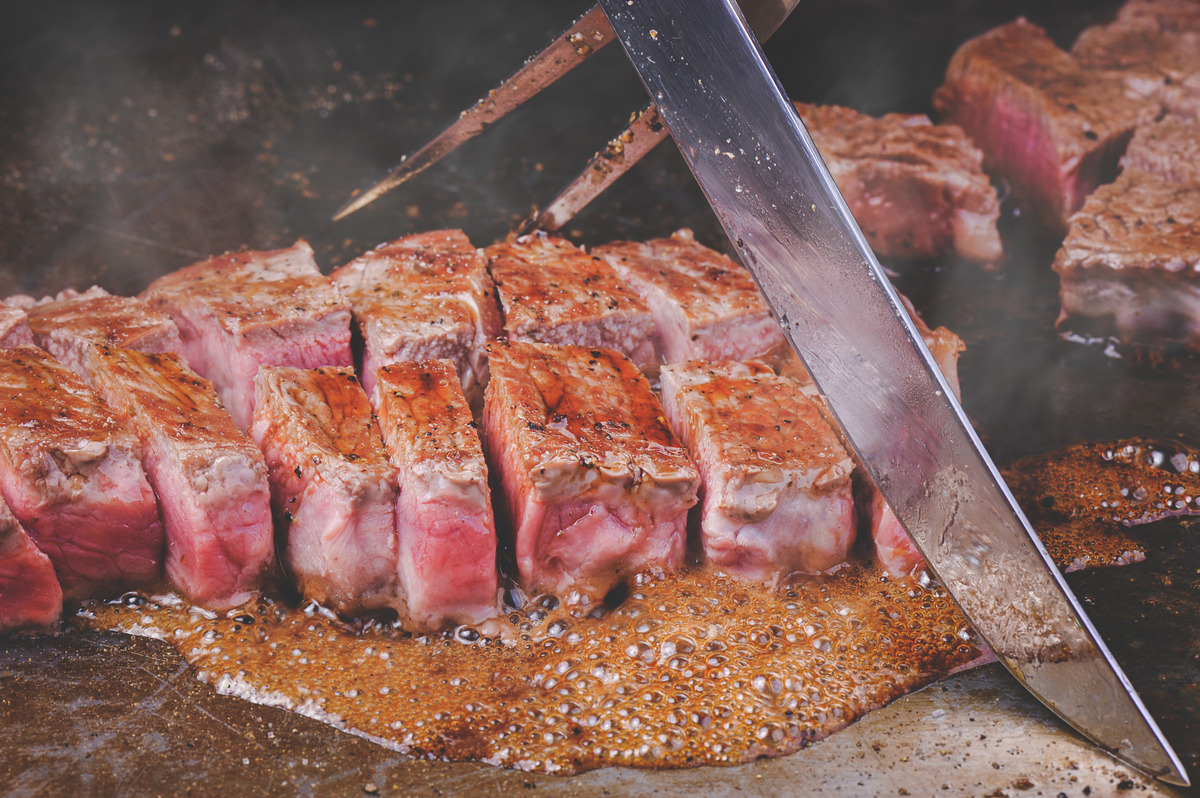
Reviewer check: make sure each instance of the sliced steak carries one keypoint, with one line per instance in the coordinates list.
(65, 327)
(553, 292)
(332, 487)
(30, 596)
(424, 297)
(446, 533)
(596, 485)
(243, 310)
(72, 474)
(705, 305)
(14, 327)
(1169, 147)
(1130, 264)
(917, 189)
(1157, 65)
(1051, 128)
(778, 497)
(210, 478)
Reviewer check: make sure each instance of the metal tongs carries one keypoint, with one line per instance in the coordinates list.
(774, 196)
(568, 50)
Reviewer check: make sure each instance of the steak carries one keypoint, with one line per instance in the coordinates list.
(1130, 264)
(1169, 147)
(30, 596)
(1047, 125)
(446, 533)
(66, 326)
(332, 487)
(72, 475)
(424, 297)
(706, 306)
(210, 478)
(916, 189)
(1167, 16)
(243, 310)
(553, 292)
(778, 497)
(14, 327)
(1157, 65)
(595, 483)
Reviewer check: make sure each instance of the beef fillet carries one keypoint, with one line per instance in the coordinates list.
(332, 487)
(1053, 129)
(424, 297)
(446, 533)
(72, 474)
(210, 478)
(243, 310)
(30, 596)
(596, 485)
(554, 293)
(916, 189)
(705, 305)
(778, 496)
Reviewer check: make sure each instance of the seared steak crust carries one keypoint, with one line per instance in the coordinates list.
(916, 189)
(243, 310)
(72, 474)
(424, 297)
(1169, 147)
(552, 292)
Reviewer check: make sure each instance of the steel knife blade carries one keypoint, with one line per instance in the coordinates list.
(775, 198)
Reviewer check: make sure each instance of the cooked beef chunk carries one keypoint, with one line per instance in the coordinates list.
(596, 485)
(332, 487)
(30, 596)
(1169, 147)
(14, 327)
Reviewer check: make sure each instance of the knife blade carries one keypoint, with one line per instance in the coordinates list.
(777, 202)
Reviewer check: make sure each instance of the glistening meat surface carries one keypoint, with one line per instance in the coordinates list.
(596, 485)
(210, 478)
(30, 596)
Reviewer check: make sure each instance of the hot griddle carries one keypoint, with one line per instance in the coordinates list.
(138, 137)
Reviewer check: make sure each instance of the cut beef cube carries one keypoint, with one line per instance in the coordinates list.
(917, 189)
(554, 293)
(445, 529)
(1164, 16)
(210, 478)
(1159, 66)
(424, 297)
(65, 327)
(1130, 264)
(597, 486)
(778, 497)
(72, 475)
(30, 596)
(14, 327)
(243, 310)
(1169, 147)
(706, 306)
(332, 487)
(1051, 128)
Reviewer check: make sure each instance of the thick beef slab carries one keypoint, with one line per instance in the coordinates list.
(1130, 264)
(554, 293)
(14, 327)
(778, 496)
(64, 327)
(243, 310)
(705, 305)
(596, 484)
(72, 474)
(1053, 129)
(30, 596)
(332, 487)
(424, 297)
(446, 533)
(1169, 147)
(917, 189)
(210, 478)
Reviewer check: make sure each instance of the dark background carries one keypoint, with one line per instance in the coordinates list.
(138, 137)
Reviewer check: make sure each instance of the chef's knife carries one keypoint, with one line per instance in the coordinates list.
(777, 202)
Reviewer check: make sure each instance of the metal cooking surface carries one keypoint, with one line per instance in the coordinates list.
(137, 138)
